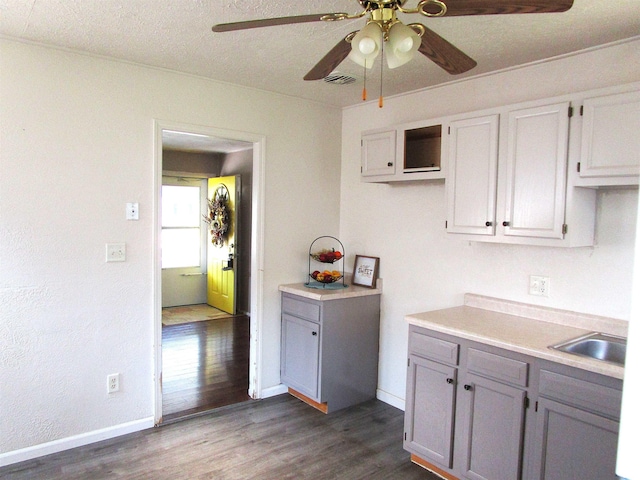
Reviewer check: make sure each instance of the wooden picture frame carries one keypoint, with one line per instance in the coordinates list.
(365, 271)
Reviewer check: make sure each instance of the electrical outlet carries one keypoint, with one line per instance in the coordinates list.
(539, 285)
(113, 383)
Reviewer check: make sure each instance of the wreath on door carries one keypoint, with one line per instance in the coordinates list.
(218, 217)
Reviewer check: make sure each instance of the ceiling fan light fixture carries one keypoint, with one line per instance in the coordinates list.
(366, 45)
(402, 44)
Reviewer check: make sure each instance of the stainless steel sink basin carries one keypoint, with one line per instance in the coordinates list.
(600, 346)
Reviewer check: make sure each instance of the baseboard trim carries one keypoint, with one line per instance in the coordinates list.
(74, 441)
(273, 391)
(392, 400)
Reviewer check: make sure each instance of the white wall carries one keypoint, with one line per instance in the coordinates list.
(424, 268)
(77, 135)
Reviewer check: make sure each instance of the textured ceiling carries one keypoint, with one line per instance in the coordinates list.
(176, 34)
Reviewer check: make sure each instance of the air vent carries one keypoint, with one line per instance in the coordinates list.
(338, 78)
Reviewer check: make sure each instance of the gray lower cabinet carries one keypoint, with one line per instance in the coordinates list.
(492, 426)
(465, 407)
(329, 349)
(481, 413)
(300, 354)
(577, 427)
(431, 399)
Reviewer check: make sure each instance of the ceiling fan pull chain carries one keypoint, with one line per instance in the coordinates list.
(380, 99)
(364, 87)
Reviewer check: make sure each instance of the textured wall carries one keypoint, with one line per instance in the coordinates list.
(77, 144)
(425, 268)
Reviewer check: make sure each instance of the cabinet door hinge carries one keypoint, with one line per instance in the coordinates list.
(449, 130)
(565, 228)
(526, 402)
(446, 224)
(570, 111)
(405, 436)
(581, 110)
(408, 362)
(578, 167)
(536, 406)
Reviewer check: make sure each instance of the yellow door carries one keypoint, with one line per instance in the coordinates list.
(222, 194)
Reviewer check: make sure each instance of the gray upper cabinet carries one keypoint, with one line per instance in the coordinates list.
(507, 179)
(473, 173)
(403, 153)
(536, 172)
(378, 150)
(610, 141)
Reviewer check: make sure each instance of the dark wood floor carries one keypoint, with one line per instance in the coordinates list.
(275, 438)
(205, 365)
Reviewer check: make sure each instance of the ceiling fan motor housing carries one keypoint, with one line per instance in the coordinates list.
(375, 5)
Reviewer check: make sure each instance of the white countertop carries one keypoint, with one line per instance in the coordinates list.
(330, 294)
(525, 329)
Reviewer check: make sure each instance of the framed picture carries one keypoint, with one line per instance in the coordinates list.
(365, 271)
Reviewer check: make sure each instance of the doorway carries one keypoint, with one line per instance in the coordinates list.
(204, 357)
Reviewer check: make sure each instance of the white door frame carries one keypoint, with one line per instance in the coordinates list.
(257, 249)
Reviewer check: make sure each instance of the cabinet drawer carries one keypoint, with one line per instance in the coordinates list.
(580, 393)
(498, 367)
(301, 308)
(433, 348)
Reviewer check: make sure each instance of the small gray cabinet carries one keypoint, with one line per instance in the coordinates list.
(329, 349)
(300, 353)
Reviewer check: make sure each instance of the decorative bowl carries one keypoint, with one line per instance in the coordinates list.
(326, 276)
(326, 256)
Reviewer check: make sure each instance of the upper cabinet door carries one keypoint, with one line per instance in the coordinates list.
(471, 182)
(536, 166)
(610, 139)
(379, 153)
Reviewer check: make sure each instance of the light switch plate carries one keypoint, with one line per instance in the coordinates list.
(116, 252)
(132, 211)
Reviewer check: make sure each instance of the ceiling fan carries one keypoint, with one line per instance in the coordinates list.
(384, 32)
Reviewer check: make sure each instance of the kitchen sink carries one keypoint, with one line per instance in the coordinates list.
(600, 346)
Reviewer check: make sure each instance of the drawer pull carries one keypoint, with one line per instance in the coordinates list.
(505, 224)
(488, 224)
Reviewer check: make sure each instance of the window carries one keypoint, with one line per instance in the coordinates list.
(181, 226)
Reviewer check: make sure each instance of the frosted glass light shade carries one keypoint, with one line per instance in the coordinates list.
(402, 45)
(366, 45)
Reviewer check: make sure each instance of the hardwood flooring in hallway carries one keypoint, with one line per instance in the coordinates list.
(272, 439)
(205, 365)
